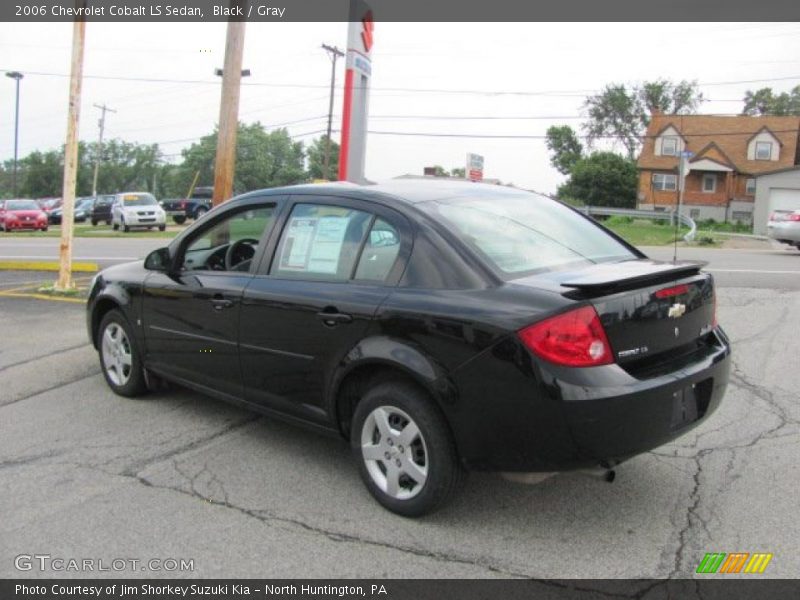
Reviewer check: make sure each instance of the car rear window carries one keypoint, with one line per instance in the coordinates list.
(526, 233)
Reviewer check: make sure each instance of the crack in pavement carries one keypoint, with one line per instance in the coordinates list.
(86, 375)
(48, 355)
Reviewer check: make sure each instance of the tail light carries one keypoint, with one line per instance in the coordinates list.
(793, 217)
(183, 204)
(572, 339)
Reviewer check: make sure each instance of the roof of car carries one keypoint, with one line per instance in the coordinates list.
(408, 190)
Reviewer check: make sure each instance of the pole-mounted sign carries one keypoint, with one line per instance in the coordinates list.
(474, 167)
(360, 39)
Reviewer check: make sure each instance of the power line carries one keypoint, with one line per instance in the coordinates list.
(392, 89)
(543, 137)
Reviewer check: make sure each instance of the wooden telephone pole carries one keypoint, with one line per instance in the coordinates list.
(71, 157)
(102, 124)
(225, 163)
(334, 53)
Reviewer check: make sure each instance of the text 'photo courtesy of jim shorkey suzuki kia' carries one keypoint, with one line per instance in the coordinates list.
(438, 327)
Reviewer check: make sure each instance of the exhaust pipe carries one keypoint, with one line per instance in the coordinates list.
(607, 475)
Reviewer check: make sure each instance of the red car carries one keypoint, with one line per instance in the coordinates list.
(22, 214)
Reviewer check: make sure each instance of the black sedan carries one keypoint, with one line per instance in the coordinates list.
(437, 326)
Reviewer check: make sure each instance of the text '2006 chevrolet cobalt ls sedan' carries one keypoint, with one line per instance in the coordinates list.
(437, 326)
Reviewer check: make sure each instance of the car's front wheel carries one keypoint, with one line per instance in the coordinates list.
(119, 356)
(406, 454)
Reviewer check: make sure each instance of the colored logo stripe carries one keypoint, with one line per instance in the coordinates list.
(721, 562)
(758, 563)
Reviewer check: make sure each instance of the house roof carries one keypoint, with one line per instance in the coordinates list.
(727, 135)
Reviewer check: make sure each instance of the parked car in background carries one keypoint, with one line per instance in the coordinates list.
(137, 209)
(49, 204)
(437, 327)
(195, 207)
(101, 211)
(784, 226)
(81, 212)
(22, 214)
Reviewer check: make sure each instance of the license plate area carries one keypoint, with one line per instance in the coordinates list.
(690, 403)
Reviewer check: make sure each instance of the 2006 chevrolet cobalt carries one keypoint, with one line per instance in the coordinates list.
(437, 326)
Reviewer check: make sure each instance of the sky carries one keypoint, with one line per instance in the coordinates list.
(464, 79)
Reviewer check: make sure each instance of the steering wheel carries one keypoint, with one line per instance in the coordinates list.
(233, 248)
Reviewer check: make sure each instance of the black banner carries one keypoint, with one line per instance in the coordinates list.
(399, 10)
(392, 589)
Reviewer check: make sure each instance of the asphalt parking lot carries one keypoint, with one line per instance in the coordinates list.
(87, 474)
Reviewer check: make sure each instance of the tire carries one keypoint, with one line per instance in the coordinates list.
(120, 359)
(162, 227)
(108, 222)
(115, 227)
(417, 491)
(94, 223)
(44, 229)
(125, 228)
(200, 212)
(179, 219)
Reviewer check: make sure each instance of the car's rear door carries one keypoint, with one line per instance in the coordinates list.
(191, 315)
(319, 286)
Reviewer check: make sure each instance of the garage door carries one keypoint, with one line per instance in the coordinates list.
(783, 199)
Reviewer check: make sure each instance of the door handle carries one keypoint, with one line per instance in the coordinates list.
(331, 317)
(220, 303)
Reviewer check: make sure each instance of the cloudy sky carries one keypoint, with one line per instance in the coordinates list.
(428, 78)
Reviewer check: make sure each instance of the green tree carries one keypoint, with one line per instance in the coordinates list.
(624, 112)
(565, 149)
(263, 159)
(316, 159)
(124, 166)
(458, 172)
(766, 102)
(602, 179)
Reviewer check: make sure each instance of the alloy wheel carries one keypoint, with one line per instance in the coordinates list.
(394, 452)
(117, 355)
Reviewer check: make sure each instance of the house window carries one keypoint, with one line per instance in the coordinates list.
(694, 213)
(750, 189)
(669, 146)
(709, 182)
(665, 182)
(763, 150)
(741, 216)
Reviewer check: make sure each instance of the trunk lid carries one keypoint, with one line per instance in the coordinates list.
(650, 310)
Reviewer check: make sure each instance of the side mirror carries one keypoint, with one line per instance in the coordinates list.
(158, 260)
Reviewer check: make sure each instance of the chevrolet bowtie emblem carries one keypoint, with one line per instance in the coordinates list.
(676, 310)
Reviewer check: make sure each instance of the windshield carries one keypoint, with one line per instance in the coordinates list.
(526, 233)
(138, 199)
(85, 203)
(22, 205)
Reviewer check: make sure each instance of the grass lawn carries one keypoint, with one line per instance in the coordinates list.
(100, 231)
(642, 232)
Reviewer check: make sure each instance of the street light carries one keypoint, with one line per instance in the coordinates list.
(17, 76)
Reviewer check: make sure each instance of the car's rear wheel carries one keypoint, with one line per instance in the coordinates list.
(406, 454)
(179, 219)
(119, 356)
(94, 223)
(162, 227)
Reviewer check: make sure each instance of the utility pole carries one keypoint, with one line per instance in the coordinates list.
(102, 124)
(225, 163)
(334, 54)
(71, 157)
(17, 76)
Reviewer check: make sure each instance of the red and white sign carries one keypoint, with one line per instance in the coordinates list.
(474, 168)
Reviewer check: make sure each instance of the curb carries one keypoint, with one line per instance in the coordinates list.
(30, 265)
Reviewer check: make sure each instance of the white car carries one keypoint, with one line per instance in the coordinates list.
(137, 209)
(784, 226)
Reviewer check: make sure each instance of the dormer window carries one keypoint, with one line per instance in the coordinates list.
(763, 150)
(669, 146)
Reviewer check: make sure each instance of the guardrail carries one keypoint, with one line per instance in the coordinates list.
(647, 214)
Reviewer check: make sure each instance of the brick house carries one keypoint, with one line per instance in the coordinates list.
(729, 151)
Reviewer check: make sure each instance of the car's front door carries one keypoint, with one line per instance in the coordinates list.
(191, 314)
(333, 265)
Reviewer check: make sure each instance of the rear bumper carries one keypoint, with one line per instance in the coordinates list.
(579, 418)
(787, 232)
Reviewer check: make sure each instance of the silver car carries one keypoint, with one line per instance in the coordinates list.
(784, 226)
(137, 209)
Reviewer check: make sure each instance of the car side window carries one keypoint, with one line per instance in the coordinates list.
(380, 252)
(320, 242)
(229, 244)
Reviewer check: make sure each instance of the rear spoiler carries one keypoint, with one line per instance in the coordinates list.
(632, 273)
